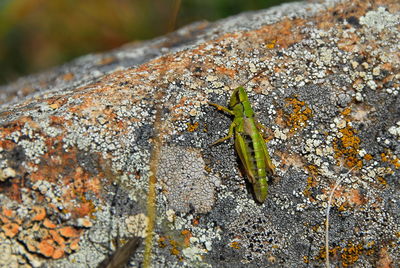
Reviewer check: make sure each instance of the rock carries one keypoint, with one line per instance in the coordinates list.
(111, 136)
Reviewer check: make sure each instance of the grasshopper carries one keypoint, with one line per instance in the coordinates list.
(249, 143)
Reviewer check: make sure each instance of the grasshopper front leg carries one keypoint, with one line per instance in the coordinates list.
(231, 128)
(230, 135)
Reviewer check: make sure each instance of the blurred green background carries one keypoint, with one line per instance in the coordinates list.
(38, 34)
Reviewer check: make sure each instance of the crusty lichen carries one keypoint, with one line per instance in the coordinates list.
(299, 115)
(184, 180)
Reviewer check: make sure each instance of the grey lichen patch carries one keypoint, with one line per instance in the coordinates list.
(98, 241)
(7, 258)
(6, 173)
(30, 141)
(256, 237)
(380, 19)
(185, 181)
(200, 238)
(14, 254)
(137, 224)
(395, 130)
(106, 138)
(34, 149)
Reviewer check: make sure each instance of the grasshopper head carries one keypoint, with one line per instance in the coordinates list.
(240, 102)
(239, 95)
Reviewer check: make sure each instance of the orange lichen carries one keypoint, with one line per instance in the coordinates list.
(368, 157)
(207, 168)
(74, 245)
(69, 231)
(49, 224)
(174, 249)
(57, 238)
(347, 147)
(235, 245)
(10, 229)
(49, 242)
(390, 158)
(187, 235)
(355, 197)
(299, 116)
(195, 221)
(313, 170)
(68, 76)
(311, 182)
(7, 212)
(13, 191)
(162, 242)
(85, 208)
(271, 44)
(40, 213)
(174, 245)
(348, 255)
(381, 180)
(57, 254)
(351, 198)
(227, 71)
(346, 111)
(192, 127)
(46, 248)
(306, 259)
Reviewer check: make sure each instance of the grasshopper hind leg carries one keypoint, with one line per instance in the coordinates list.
(221, 108)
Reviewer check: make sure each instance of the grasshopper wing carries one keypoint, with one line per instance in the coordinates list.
(244, 152)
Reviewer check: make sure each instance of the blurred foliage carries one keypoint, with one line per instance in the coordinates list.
(37, 34)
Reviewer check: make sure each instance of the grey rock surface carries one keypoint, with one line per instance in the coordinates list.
(82, 144)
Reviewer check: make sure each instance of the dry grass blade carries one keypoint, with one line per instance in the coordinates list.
(328, 208)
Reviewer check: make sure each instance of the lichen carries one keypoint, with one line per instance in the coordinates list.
(300, 114)
(185, 182)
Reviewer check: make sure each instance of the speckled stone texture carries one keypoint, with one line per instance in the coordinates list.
(323, 77)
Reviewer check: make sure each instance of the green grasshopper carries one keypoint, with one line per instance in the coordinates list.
(249, 143)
